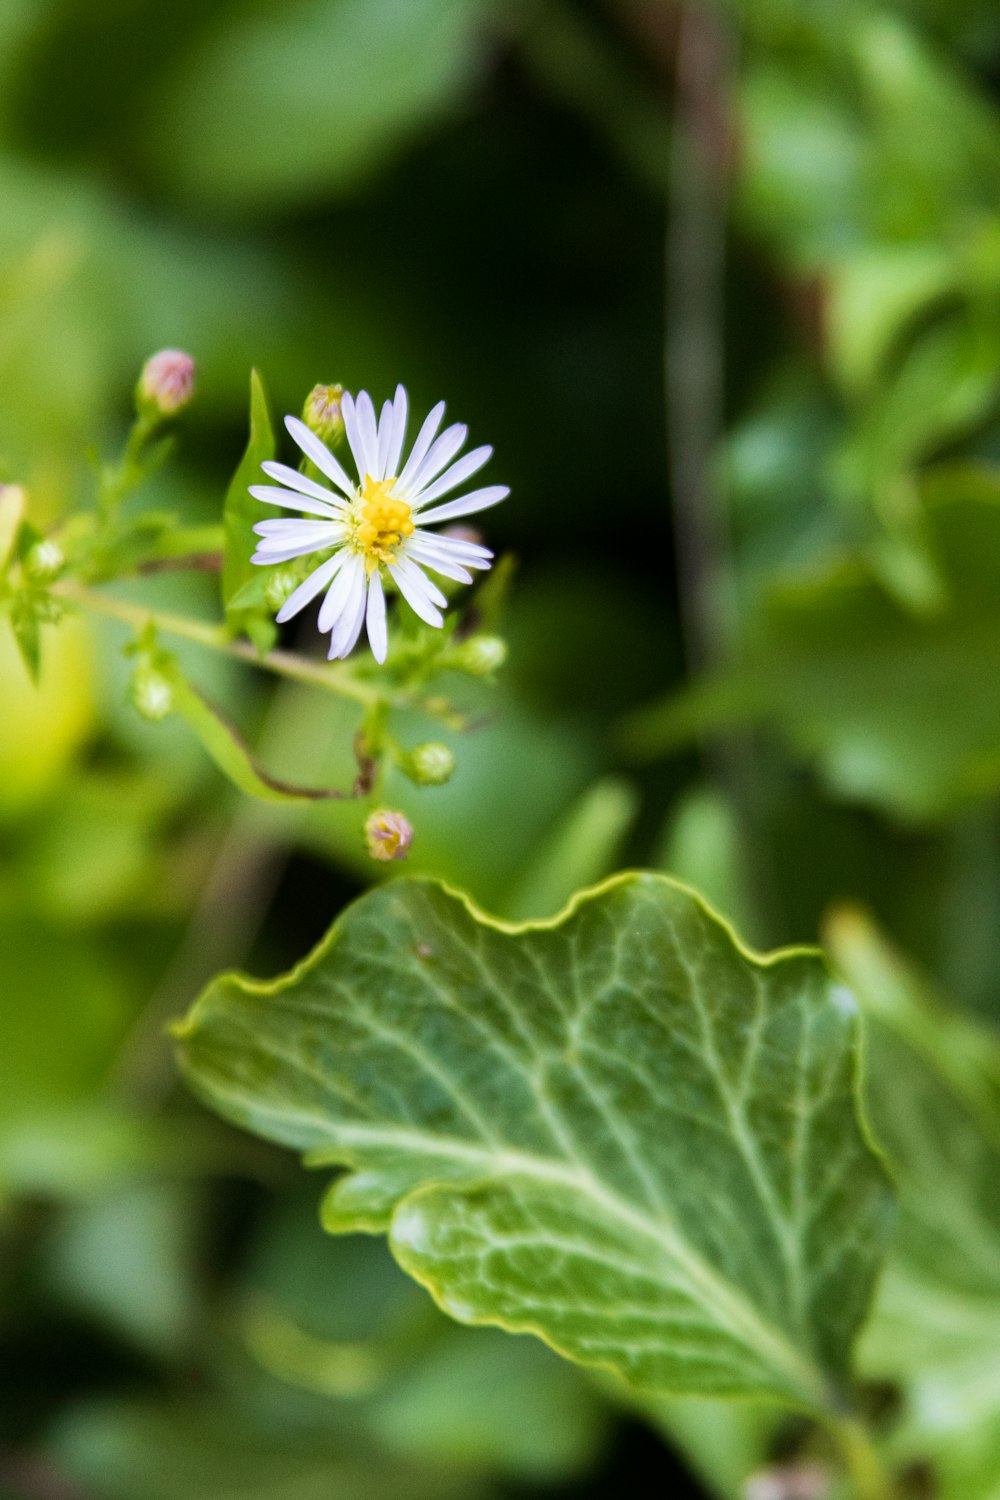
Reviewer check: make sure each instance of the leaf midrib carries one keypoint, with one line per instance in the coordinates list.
(506, 1162)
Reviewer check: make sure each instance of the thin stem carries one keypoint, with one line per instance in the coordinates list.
(869, 1476)
(216, 638)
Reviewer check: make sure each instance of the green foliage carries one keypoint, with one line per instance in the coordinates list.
(934, 1100)
(619, 1131)
(468, 195)
(239, 513)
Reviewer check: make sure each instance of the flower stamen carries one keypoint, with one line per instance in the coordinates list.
(382, 522)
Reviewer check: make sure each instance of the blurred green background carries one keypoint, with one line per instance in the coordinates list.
(722, 287)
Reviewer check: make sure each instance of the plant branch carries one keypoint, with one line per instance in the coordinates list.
(216, 638)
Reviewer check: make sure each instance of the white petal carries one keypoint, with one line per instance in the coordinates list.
(398, 435)
(416, 599)
(298, 482)
(377, 635)
(446, 566)
(298, 530)
(471, 553)
(319, 453)
(368, 428)
(439, 454)
(421, 581)
(457, 474)
(478, 500)
(424, 439)
(334, 604)
(350, 416)
(414, 594)
(306, 592)
(384, 438)
(430, 549)
(271, 495)
(348, 627)
(269, 557)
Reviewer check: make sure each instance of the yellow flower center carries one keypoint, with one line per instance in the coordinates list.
(382, 522)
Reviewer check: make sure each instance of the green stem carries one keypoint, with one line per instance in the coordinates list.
(216, 638)
(868, 1474)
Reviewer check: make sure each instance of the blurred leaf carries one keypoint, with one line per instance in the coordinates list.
(290, 104)
(478, 1399)
(893, 709)
(125, 1257)
(240, 513)
(724, 1441)
(571, 1130)
(584, 848)
(338, 1317)
(933, 1090)
(872, 297)
(701, 845)
(204, 1450)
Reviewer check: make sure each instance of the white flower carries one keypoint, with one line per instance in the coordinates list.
(378, 523)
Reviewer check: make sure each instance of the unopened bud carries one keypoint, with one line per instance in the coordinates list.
(428, 765)
(389, 834)
(44, 561)
(151, 692)
(322, 414)
(480, 655)
(794, 1482)
(166, 384)
(280, 584)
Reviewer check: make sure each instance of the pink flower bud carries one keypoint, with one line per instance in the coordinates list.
(166, 384)
(389, 835)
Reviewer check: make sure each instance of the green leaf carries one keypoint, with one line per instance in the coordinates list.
(286, 105)
(619, 1130)
(889, 706)
(934, 1104)
(233, 756)
(581, 849)
(241, 512)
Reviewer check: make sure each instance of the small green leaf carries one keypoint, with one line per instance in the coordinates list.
(934, 1103)
(241, 511)
(232, 755)
(619, 1130)
(12, 501)
(27, 633)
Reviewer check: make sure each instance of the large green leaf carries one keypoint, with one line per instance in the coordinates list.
(934, 1099)
(618, 1130)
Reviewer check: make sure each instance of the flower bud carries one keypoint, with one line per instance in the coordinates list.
(428, 765)
(480, 655)
(321, 413)
(166, 384)
(44, 561)
(389, 834)
(151, 692)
